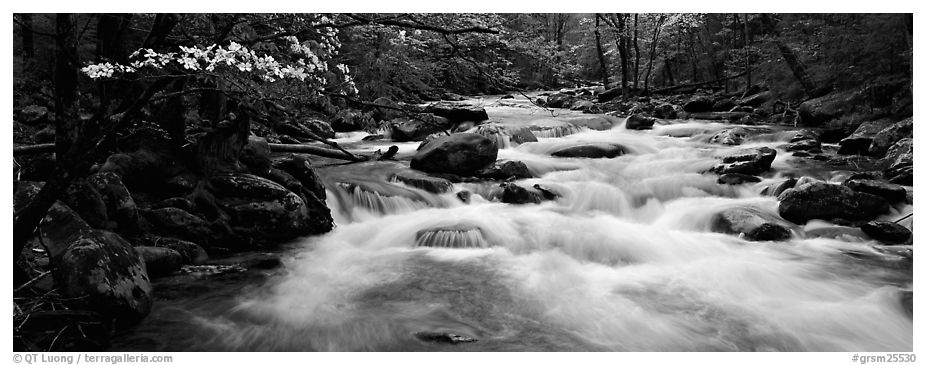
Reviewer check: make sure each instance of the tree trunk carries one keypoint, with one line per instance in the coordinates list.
(27, 38)
(797, 68)
(636, 52)
(67, 113)
(622, 49)
(110, 47)
(652, 53)
(601, 58)
(746, 46)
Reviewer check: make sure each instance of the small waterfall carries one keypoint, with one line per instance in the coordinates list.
(456, 236)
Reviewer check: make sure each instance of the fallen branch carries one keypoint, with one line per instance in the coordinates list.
(34, 149)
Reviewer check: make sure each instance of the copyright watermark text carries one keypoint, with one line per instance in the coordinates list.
(75, 359)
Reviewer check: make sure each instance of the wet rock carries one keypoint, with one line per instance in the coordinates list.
(561, 100)
(731, 116)
(190, 253)
(778, 188)
(443, 337)
(388, 111)
(804, 145)
(179, 223)
(424, 182)
(160, 261)
(665, 111)
(61, 227)
(465, 196)
(516, 194)
(458, 113)
(86, 201)
(723, 105)
(584, 105)
(594, 122)
(306, 129)
(892, 192)
(756, 100)
(347, 121)
(639, 122)
(107, 274)
(263, 210)
(899, 160)
(754, 224)
(552, 128)
(699, 105)
(860, 140)
(801, 154)
(507, 96)
(887, 232)
(828, 201)
(825, 108)
(609, 94)
(33, 115)
(404, 129)
(503, 133)
(731, 136)
(750, 161)
(460, 154)
(737, 179)
(300, 168)
(591, 150)
(887, 137)
(505, 170)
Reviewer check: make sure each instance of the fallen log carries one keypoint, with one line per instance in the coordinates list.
(697, 84)
(33, 149)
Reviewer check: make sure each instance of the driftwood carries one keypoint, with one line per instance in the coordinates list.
(34, 149)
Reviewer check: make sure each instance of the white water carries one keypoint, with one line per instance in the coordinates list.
(623, 261)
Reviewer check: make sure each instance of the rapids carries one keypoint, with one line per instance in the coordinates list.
(624, 260)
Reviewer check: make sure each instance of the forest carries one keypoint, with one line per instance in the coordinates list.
(167, 156)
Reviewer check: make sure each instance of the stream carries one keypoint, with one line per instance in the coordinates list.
(624, 260)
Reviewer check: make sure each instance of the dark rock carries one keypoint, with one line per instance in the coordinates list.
(801, 154)
(88, 202)
(887, 137)
(118, 202)
(594, 122)
(754, 224)
(561, 100)
(107, 274)
(404, 129)
(33, 115)
(458, 113)
(443, 337)
(665, 111)
(723, 105)
(591, 150)
(45, 135)
(460, 154)
(892, 192)
(887, 232)
(860, 140)
(825, 108)
(265, 263)
(388, 111)
(806, 145)
(609, 94)
(452, 97)
(730, 136)
(424, 182)
(699, 104)
(160, 261)
(756, 100)
(190, 253)
(318, 127)
(505, 170)
(737, 179)
(731, 116)
(178, 223)
(507, 96)
(640, 122)
(263, 210)
(750, 161)
(500, 133)
(778, 188)
(61, 227)
(39, 167)
(464, 196)
(900, 176)
(256, 155)
(828, 201)
(347, 121)
(584, 105)
(516, 194)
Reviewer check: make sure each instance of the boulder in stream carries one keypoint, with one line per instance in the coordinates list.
(505, 170)
(860, 140)
(591, 150)
(888, 232)
(819, 200)
(639, 122)
(892, 192)
(458, 113)
(752, 223)
(750, 161)
(459, 154)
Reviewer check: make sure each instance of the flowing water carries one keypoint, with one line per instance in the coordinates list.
(624, 260)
